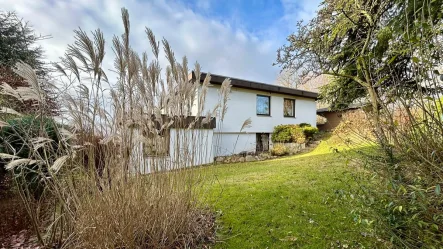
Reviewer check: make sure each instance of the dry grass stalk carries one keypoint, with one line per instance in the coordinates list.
(95, 196)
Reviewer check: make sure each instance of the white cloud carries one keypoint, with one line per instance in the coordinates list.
(219, 47)
(296, 10)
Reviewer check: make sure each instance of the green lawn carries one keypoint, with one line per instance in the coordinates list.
(292, 202)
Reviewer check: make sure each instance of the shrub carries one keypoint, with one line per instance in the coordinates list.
(298, 136)
(293, 133)
(302, 125)
(30, 137)
(282, 134)
(279, 150)
(309, 132)
(16, 137)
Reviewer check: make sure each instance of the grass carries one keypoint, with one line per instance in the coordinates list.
(292, 202)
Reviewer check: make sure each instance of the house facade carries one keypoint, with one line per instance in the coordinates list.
(265, 105)
(197, 142)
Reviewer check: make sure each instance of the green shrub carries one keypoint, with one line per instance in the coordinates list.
(302, 125)
(279, 150)
(16, 139)
(293, 133)
(282, 133)
(309, 132)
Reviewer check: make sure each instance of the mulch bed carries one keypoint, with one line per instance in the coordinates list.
(15, 226)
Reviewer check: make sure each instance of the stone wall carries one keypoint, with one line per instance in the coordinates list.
(243, 157)
(293, 148)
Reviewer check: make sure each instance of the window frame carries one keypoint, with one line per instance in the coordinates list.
(293, 108)
(269, 108)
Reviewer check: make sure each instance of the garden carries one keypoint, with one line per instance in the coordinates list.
(301, 201)
(71, 135)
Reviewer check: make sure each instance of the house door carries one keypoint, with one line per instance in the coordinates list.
(262, 142)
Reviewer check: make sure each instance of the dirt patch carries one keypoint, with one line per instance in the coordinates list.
(22, 240)
(15, 225)
(204, 235)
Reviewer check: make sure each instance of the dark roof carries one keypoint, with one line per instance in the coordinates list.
(326, 109)
(350, 107)
(247, 84)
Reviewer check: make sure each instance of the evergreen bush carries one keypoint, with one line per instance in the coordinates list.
(19, 138)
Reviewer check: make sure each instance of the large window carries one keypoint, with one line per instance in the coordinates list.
(263, 105)
(289, 108)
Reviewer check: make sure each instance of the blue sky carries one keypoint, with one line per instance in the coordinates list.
(236, 38)
(254, 16)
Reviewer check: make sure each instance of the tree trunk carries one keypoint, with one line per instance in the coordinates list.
(379, 132)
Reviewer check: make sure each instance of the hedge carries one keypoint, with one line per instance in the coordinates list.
(293, 133)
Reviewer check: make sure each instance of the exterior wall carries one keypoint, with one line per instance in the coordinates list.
(334, 118)
(191, 147)
(233, 143)
(241, 106)
(181, 151)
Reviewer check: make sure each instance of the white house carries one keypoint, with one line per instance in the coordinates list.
(266, 105)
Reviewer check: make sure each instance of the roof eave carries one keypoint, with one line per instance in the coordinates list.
(246, 84)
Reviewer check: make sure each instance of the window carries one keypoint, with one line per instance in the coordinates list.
(156, 144)
(289, 108)
(263, 105)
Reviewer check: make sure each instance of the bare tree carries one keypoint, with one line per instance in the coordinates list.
(288, 78)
